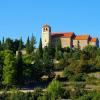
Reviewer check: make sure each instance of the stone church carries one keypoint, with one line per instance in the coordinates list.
(68, 39)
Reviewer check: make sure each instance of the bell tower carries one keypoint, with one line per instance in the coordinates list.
(46, 35)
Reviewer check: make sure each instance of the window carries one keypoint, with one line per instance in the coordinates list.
(46, 29)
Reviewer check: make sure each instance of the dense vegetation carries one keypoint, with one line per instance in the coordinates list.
(29, 65)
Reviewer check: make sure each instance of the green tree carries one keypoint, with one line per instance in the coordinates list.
(19, 69)
(3, 43)
(0, 46)
(32, 43)
(20, 44)
(58, 44)
(40, 50)
(47, 63)
(54, 90)
(58, 53)
(28, 45)
(16, 45)
(9, 44)
(9, 69)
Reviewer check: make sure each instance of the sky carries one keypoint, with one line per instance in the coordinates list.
(24, 17)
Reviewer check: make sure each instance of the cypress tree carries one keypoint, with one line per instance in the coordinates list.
(28, 45)
(58, 45)
(19, 69)
(20, 44)
(32, 43)
(40, 49)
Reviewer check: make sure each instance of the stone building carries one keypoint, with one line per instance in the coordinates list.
(68, 39)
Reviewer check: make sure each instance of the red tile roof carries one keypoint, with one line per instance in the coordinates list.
(82, 37)
(93, 39)
(65, 34)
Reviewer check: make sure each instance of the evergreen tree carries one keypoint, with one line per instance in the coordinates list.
(0, 46)
(9, 44)
(58, 53)
(47, 63)
(58, 45)
(32, 43)
(51, 51)
(3, 45)
(28, 45)
(16, 45)
(9, 69)
(3, 40)
(40, 49)
(19, 69)
(20, 44)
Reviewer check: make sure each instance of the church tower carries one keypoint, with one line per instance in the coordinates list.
(46, 35)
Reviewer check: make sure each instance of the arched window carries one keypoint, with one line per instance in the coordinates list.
(43, 29)
(46, 29)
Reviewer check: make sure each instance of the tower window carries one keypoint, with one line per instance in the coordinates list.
(45, 40)
(46, 29)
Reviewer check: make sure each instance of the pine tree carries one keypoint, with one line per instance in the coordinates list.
(28, 45)
(9, 69)
(40, 49)
(32, 43)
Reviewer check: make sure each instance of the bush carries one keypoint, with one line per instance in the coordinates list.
(54, 89)
(68, 73)
(79, 77)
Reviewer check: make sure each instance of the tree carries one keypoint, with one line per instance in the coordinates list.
(28, 45)
(51, 51)
(9, 44)
(47, 63)
(37, 67)
(9, 69)
(19, 69)
(16, 45)
(0, 46)
(20, 44)
(58, 53)
(58, 45)
(40, 50)
(54, 90)
(32, 43)
(1, 64)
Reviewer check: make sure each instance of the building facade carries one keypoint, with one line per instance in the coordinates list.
(68, 39)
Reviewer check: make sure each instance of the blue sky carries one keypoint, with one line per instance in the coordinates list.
(24, 17)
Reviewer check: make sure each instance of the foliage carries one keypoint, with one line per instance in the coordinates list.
(40, 50)
(19, 68)
(54, 89)
(9, 69)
